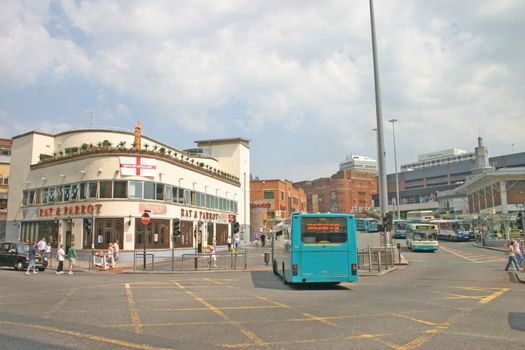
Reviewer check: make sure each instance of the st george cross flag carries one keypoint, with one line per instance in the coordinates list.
(137, 166)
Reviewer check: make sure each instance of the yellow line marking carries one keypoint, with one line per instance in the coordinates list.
(222, 308)
(307, 341)
(406, 317)
(85, 336)
(431, 333)
(134, 314)
(493, 296)
(249, 334)
(58, 305)
(461, 296)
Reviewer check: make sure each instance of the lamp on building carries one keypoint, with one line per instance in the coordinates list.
(180, 179)
(62, 175)
(194, 185)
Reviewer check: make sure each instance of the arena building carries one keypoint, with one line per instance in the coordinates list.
(90, 187)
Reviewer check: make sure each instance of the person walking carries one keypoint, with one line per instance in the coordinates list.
(519, 254)
(212, 254)
(229, 242)
(263, 239)
(32, 257)
(48, 254)
(72, 257)
(511, 252)
(42, 245)
(116, 250)
(236, 243)
(60, 258)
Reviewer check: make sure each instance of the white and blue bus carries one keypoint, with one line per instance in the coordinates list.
(315, 248)
(454, 230)
(399, 229)
(422, 236)
(420, 215)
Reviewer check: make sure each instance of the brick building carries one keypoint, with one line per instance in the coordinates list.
(272, 201)
(343, 192)
(5, 159)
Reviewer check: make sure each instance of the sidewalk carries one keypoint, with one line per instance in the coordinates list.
(519, 276)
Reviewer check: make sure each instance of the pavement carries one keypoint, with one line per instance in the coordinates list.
(254, 262)
(518, 276)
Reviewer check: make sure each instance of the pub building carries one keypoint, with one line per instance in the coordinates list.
(90, 187)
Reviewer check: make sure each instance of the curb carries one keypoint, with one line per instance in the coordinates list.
(490, 248)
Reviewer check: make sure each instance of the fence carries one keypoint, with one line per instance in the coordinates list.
(378, 258)
(191, 262)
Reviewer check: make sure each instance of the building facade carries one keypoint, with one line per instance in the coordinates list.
(359, 163)
(272, 201)
(87, 188)
(5, 160)
(343, 192)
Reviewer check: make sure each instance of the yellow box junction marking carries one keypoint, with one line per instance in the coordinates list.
(58, 305)
(95, 338)
(134, 314)
(249, 334)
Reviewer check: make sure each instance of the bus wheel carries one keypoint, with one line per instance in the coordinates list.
(449, 238)
(284, 276)
(274, 266)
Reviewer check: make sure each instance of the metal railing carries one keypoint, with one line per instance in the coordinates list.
(191, 262)
(378, 258)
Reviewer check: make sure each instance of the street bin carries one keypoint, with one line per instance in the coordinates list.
(266, 258)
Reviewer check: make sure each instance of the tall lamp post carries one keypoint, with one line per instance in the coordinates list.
(393, 121)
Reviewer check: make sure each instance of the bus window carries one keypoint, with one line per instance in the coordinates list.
(323, 230)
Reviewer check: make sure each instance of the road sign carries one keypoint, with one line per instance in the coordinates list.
(145, 218)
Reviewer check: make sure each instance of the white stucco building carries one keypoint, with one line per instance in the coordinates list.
(90, 187)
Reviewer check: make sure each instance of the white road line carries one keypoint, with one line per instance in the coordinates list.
(461, 256)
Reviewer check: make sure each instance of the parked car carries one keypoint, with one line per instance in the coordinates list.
(16, 255)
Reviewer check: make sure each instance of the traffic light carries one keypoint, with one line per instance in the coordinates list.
(235, 227)
(175, 228)
(519, 220)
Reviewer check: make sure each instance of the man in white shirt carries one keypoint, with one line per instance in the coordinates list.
(116, 249)
(42, 246)
(60, 258)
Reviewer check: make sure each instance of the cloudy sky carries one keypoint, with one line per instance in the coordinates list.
(294, 77)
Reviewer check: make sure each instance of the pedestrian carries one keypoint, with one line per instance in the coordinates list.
(229, 243)
(42, 246)
(236, 242)
(256, 239)
(60, 258)
(511, 252)
(110, 253)
(519, 254)
(32, 257)
(116, 249)
(48, 253)
(212, 254)
(72, 257)
(263, 239)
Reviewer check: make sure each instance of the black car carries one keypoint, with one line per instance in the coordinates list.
(16, 255)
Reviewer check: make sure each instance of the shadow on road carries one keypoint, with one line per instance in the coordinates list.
(517, 321)
(268, 280)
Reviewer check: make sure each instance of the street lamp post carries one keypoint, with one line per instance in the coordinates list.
(393, 121)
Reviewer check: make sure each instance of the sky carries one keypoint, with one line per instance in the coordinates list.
(293, 77)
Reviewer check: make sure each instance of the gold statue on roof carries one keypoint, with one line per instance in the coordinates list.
(138, 135)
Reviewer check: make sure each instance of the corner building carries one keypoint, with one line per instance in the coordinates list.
(88, 188)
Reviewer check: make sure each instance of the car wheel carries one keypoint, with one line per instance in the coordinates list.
(19, 266)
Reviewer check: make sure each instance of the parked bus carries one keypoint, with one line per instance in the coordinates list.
(399, 229)
(422, 236)
(420, 215)
(367, 225)
(315, 248)
(454, 230)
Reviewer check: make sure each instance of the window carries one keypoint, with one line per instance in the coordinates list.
(67, 193)
(44, 195)
(135, 189)
(59, 194)
(38, 196)
(160, 192)
(169, 193)
(51, 195)
(92, 189)
(74, 192)
(269, 195)
(120, 189)
(105, 189)
(149, 190)
(82, 190)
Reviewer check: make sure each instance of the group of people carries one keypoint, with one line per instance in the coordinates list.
(43, 249)
(262, 238)
(515, 255)
(235, 242)
(113, 251)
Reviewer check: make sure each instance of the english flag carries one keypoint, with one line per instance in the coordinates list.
(137, 166)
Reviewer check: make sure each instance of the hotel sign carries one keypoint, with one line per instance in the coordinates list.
(67, 210)
(203, 215)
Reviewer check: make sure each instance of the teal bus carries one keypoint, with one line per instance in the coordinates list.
(367, 225)
(315, 248)
(420, 236)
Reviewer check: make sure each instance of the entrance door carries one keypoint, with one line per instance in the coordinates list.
(68, 240)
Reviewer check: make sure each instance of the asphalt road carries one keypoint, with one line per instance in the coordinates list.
(456, 298)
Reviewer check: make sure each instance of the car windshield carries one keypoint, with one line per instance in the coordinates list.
(22, 248)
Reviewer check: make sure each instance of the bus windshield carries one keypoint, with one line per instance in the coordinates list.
(425, 235)
(323, 230)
